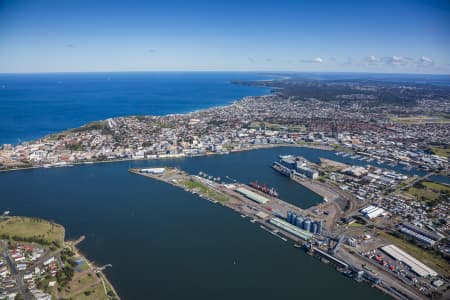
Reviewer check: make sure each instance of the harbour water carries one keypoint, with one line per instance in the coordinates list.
(165, 243)
(34, 105)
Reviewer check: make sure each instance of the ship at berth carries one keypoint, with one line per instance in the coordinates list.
(264, 188)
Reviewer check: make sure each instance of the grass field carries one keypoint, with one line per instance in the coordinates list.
(423, 194)
(420, 119)
(85, 287)
(275, 126)
(430, 192)
(204, 190)
(429, 258)
(436, 186)
(31, 228)
(444, 152)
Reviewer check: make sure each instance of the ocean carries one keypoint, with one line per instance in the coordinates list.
(34, 105)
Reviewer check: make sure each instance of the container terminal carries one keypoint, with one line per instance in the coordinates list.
(310, 229)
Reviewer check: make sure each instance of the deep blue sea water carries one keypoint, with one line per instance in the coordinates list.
(34, 105)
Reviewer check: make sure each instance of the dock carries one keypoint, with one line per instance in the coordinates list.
(268, 212)
(250, 203)
(320, 189)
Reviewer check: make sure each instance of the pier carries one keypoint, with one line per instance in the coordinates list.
(320, 189)
(268, 212)
(232, 196)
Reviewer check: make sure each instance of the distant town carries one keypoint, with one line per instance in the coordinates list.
(376, 224)
(413, 135)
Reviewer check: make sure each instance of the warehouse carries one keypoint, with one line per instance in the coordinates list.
(372, 211)
(417, 236)
(252, 196)
(426, 233)
(415, 265)
(153, 170)
(304, 235)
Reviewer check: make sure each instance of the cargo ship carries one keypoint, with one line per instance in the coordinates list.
(264, 188)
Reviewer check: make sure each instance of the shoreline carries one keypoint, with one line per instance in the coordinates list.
(265, 91)
(50, 237)
(266, 146)
(230, 203)
(93, 267)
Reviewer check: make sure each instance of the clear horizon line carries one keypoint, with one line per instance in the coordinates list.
(220, 71)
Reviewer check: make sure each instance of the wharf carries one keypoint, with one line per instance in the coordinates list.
(226, 195)
(320, 189)
(261, 213)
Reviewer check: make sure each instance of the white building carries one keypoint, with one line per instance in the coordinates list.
(153, 170)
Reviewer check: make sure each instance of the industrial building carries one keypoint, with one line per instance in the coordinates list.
(302, 169)
(372, 212)
(314, 227)
(417, 236)
(355, 171)
(252, 195)
(415, 265)
(298, 166)
(153, 171)
(304, 235)
(288, 162)
(424, 236)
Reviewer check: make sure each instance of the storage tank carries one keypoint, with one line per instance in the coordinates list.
(289, 217)
(307, 225)
(294, 219)
(314, 227)
(319, 227)
(300, 221)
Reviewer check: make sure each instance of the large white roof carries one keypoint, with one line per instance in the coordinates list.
(252, 195)
(415, 265)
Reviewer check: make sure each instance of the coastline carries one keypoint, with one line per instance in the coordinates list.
(93, 267)
(222, 92)
(86, 280)
(266, 146)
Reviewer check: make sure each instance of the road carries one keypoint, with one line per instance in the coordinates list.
(418, 179)
(18, 276)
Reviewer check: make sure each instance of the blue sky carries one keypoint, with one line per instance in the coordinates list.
(346, 36)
